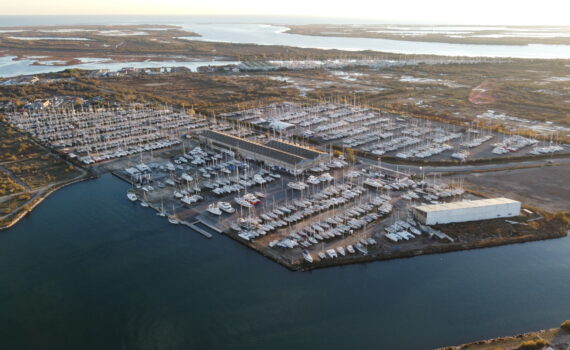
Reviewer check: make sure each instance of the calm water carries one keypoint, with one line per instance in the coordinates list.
(11, 68)
(90, 270)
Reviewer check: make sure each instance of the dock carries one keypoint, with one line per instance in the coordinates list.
(193, 226)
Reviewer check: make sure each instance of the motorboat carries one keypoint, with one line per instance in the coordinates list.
(213, 209)
(131, 196)
(226, 207)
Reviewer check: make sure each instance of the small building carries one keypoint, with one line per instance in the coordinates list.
(289, 157)
(475, 210)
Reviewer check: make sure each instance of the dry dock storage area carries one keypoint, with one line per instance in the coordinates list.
(474, 210)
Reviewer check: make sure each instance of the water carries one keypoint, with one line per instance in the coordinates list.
(275, 35)
(10, 68)
(90, 270)
(252, 29)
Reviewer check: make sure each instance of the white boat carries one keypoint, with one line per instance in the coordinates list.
(307, 256)
(173, 220)
(350, 249)
(213, 209)
(144, 204)
(243, 202)
(227, 207)
(299, 186)
(332, 253)
(131, 196)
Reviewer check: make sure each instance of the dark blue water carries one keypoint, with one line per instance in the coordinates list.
(89, 270)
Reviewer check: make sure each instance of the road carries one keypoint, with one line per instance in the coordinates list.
(427, 169)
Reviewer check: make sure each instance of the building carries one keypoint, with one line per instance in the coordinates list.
(286, 156)
(483, 209)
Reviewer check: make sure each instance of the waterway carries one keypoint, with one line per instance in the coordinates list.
(90, 270)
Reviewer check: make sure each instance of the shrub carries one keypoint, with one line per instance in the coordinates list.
(532, 344)
(565, 325)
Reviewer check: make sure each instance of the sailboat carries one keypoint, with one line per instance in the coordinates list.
(144, 202)
(173, 219)
(161, 212)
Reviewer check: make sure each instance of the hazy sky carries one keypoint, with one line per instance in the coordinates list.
(436, 11)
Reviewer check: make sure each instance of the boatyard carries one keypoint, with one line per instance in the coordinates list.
(283, 180)
(330, 213)
(387, 134)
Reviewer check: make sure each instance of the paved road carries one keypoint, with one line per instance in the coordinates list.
(417, 169)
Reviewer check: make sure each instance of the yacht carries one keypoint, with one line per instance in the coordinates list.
(131, 196)
(173, 220)
(227, 207)
(350, 249)
(213, 209)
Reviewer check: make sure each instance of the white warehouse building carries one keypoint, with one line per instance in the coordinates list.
(483, 209)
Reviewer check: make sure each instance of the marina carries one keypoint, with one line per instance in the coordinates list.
(269, 182)
(326, 213)
(142, 268)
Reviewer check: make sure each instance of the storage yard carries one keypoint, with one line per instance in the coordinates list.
(271, 179)
(387, 134)
(95, 136)
(329, 214)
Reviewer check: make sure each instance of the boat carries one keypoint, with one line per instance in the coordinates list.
(259, 194)
(243, 202)
(350, 249)
(227, 207)
(144, 204)
(173, 220)
(131, 196)
(249, 197)
(213, 209)
(307, 256)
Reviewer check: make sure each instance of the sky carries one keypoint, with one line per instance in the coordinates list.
(522, 12)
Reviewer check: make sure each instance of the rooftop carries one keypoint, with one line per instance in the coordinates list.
(295, 149)
(465, 204)
(246, 145)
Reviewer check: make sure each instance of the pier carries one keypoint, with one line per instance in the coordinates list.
(193, 226)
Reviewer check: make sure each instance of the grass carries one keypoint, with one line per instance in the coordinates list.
(42, 171)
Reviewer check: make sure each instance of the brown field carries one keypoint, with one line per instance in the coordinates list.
(478, 37)
(556, 338)
(545, 187)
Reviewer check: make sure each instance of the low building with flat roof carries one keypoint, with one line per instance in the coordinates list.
(475, 210)
(289, 157)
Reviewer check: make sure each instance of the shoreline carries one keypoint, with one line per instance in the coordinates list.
(359, 259)
(19, 215)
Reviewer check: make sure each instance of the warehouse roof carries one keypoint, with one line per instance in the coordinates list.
(294, 149)
(246, 145)
(465, 204)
